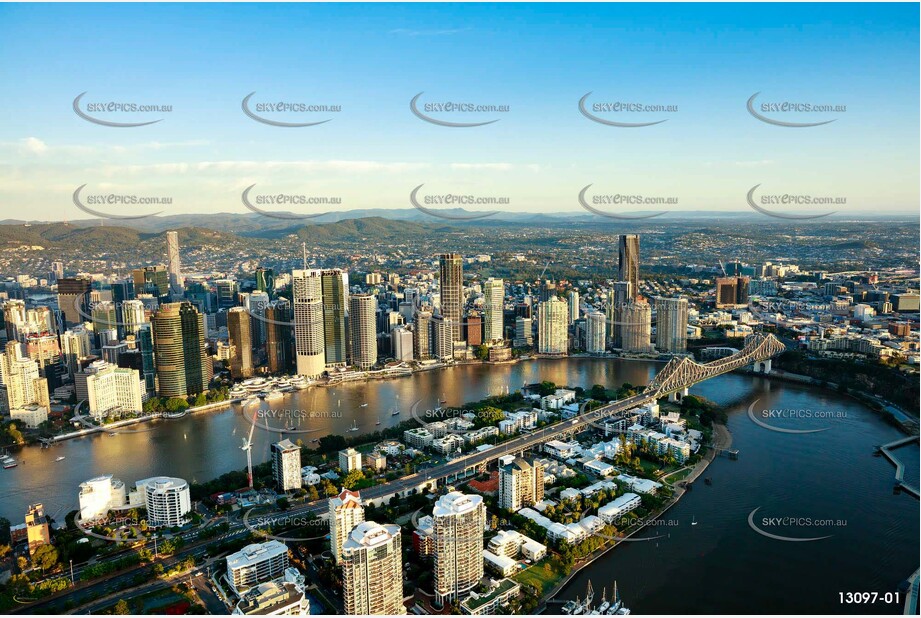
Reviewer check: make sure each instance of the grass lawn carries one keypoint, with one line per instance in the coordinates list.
(540, 577)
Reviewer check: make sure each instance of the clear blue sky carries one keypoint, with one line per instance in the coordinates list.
(538, 59)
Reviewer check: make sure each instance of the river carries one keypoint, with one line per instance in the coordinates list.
(719, 565)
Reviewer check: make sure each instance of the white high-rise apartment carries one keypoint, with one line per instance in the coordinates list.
(76, 344)
(442, 338)
(309, 344)
(552, 326)
(672, 324)
(99, 495)
(521, 484)
(458, 521)
(345, 512)
(362, 330)
(372, 570)
(111, 390)
(133, 316)
(595, 332)
(494, 296)
(401, 341)
(256, 563)
(635, 320)
(573, 306)
(20, 375)
(166, 499)
(286, 465)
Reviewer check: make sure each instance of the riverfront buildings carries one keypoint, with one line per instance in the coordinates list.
(494, 299)
(241, 340)
(451, 285)
(110, 390)
(553, 327)
(628, 262)
(672, 324)
(182, 362)
(363, 308)
(372, 570)
(458, 521)
(308, 322)
(166, 499)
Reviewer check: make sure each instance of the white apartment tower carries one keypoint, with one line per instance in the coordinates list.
(494, 296)
(345, 512)
(286, 465)
(307, 292)
(372, 570)
(553, 326)
(521, 484)
(458, 521)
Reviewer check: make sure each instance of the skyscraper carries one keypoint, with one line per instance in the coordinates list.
(286, 465)
(494, 296)
(152, 280)
(278, 345)
(672, 324)
(20, 376)
(308, 322)
(635, 325)
(345, 512)
(172, 260)
(451, 282)
(265, 281)
(595, 332)
(552, 326)
(628, 261)
(422, 335)
(73, 299)
(362, 309)
(238, 327)
(132, 316)
(182, 360)
(372, 570)
(458, 522)
(521, 484)
(334, 310)
(726, 291)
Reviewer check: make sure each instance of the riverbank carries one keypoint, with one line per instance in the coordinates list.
(722, 439)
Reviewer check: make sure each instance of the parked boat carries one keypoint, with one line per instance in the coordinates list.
(354, 426)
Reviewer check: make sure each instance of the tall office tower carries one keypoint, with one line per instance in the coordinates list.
(182, 360)
(524, 332)
(726, 291)
(595, 332)
(411, 295)
(742, 285)
(628, 262)
(75, 345)
(145, 345)
(672, 324)
(442, 337)
(458, 521)
(133, 316)
(493, 310)
(172, 260)
(226, 292)
(45, 349)
(335, 304)
(238, 327)
(372, 570)
(20, 376)
(286, 465)
(407, 310)
(74, 299)
(110, 390)
(547, 290)
(401, 343)
(422, 335)
(345, 512)
(451, 283)
(57, 271)
(619, 295)
(574, 312)
(521, 484)
(552, 326)
(635, 323)
(308, 322)
(122, 290)
(362, 309)
(265, 281)
(523, 309)
(278, 336)
(152, 280)
(256, 304)
(473, 329)
(105, 317)
(14, 319)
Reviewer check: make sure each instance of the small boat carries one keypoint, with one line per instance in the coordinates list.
(708, 481)
(364, 405)
(378, 421)
(693, 520)
(8, 462)
(112, 433)
(395, 413)
(315, 440)
(354, 426)
(274, 394)
(61, 458)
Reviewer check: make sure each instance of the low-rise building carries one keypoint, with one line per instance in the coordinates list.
(499, 595)
(419, 437)
(255, 564)
(614, 510)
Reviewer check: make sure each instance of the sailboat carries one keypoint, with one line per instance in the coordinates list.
(354, 426)
(378, 421)
(693, 520)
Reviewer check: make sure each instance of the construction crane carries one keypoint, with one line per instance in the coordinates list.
(248, 447)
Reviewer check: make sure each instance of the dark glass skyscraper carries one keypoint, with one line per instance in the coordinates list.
(628, 262)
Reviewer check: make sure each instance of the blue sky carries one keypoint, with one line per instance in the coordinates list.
(538, 59)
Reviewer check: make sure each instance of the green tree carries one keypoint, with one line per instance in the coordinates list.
(121, 608)
(45, 557)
